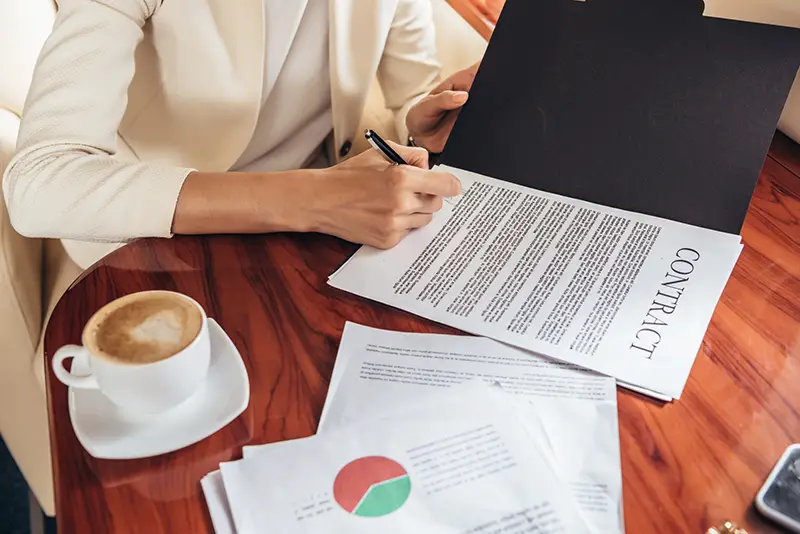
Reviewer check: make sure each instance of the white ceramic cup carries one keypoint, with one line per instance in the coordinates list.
(145, 388)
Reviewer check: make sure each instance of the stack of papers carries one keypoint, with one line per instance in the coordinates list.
(437, 433)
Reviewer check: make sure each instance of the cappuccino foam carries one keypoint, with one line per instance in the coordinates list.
(147, 328)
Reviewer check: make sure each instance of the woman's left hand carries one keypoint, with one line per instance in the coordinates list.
(431, 119)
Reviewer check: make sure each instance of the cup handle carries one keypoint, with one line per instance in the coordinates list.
(80, 382)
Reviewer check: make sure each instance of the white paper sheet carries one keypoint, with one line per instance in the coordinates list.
(379, 370)
(217, 498)
(217, 502)
(624, 294)
(469, 461)
(644, 391)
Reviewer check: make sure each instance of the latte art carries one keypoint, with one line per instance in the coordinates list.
(145, 328)
(164, 327)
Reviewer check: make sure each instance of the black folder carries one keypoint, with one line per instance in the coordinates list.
(643, 105)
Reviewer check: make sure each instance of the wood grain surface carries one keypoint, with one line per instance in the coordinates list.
(686, 465)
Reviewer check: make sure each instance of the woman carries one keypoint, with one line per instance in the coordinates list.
(153, 117)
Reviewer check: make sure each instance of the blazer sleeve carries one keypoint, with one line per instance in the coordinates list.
(409, 69)
(64, 180)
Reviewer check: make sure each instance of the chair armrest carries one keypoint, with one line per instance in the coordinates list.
(790, 120)
(20, 266)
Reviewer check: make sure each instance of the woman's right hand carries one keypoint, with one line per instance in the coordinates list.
(366, 200)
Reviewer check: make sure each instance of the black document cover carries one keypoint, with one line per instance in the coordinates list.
(643, 105)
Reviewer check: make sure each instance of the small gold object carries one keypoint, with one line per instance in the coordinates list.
(727, 528)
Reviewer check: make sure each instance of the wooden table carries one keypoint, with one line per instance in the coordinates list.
(685, 466)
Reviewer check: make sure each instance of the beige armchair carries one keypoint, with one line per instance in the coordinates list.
(35, 273)
(790, 120)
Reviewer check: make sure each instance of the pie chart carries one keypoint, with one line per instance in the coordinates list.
(372, 486)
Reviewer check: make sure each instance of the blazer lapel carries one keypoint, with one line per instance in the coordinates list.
(281, 20)
(358, 31)
(241, 29)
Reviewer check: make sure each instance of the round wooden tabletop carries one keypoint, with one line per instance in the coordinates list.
(686, 466)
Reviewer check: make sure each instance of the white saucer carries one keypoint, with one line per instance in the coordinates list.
(107, 431)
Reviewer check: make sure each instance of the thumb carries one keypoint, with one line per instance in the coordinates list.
(414, 156)
(434, 105)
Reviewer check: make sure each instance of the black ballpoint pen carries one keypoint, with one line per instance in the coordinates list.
(383, 147)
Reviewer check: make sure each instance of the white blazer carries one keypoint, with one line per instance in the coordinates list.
(129, 96)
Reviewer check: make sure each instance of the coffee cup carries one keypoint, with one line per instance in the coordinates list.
(147, 351)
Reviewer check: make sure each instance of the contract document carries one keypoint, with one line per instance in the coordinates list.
(624, 294)
(379, 370)
(465, 465)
